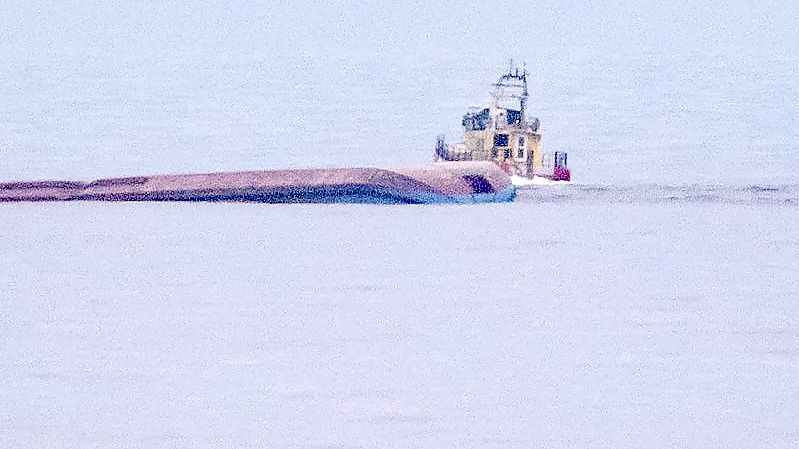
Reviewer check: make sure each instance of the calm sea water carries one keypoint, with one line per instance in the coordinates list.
(652, 303)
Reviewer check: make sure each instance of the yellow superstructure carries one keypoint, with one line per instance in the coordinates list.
(501, 132)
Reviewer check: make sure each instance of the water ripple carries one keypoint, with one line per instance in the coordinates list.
(786, 195)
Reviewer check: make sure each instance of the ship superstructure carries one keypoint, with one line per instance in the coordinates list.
(503, 133)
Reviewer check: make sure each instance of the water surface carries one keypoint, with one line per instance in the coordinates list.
(653, 303)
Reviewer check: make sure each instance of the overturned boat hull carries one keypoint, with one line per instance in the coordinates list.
(455, 182)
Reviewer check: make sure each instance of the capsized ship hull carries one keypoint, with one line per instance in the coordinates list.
(452, 182)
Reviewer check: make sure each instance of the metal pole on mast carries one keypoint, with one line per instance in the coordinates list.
(523, 101)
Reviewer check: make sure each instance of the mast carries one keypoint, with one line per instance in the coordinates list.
(517, 80)
(523, 100)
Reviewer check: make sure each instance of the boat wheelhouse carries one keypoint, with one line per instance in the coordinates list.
(504, 134)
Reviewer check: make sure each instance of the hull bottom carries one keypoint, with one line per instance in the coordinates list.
(455, 182)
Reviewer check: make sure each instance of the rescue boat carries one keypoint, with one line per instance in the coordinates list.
(502, 132)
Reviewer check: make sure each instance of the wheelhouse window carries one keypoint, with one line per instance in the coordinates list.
(500, 140)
